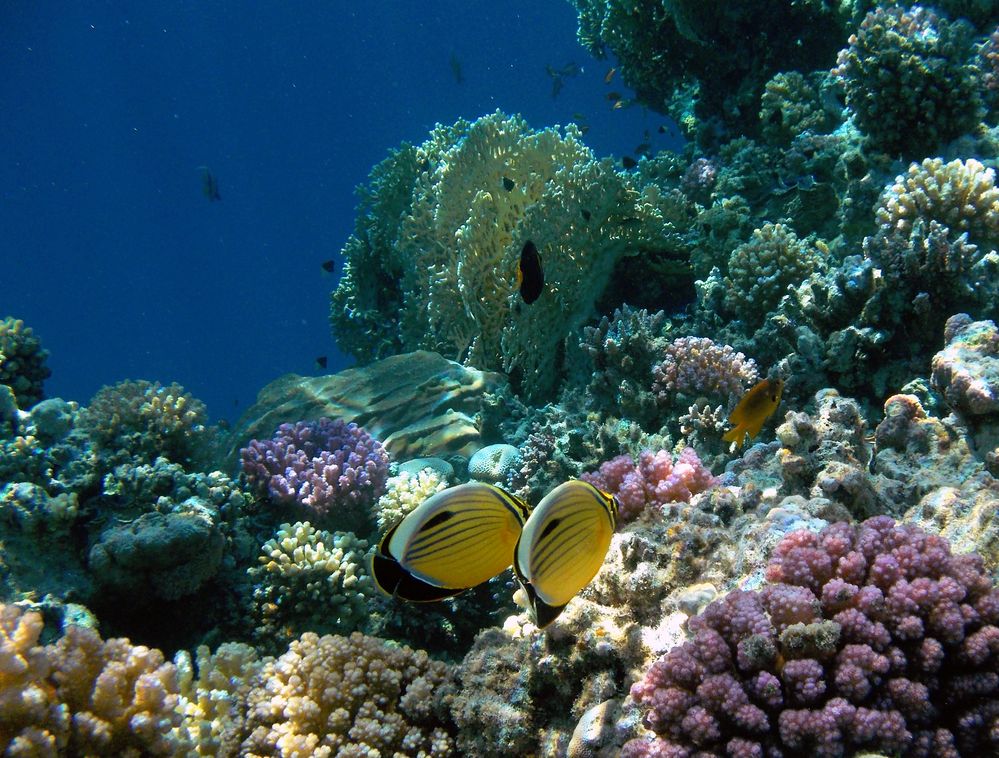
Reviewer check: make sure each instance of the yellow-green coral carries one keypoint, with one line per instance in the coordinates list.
(404, 492)
(761, 270)
(22, 361)
(309, 579)
(961, 195)
(448, 278)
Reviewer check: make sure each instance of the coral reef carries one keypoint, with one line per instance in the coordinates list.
(493, 463)
(332, 470)
(696, 367)
(22, 362)
(873, 637)
(405, 491)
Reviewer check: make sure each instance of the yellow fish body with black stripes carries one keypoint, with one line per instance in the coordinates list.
(454, 540)
(563, 545)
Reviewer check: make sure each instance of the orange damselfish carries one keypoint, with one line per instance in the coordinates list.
(753, 409)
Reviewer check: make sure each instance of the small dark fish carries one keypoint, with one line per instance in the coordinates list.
(530, 275)
(586, 214)
(628, 162)
(609, 75)
(662, 129)
(322, 361)
(329, 266)
(209, 184)
(644, 149)
(508, 184)
(456, 69)
(613, 96)
(579, 117)
(558, 75)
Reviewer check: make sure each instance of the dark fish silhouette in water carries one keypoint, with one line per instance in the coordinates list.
(329, 266)
(559, 75)
(530, 275)
(322, 361)
(456, 69)
(209, 184)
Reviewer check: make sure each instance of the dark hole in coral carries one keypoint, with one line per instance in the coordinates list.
(657, 280)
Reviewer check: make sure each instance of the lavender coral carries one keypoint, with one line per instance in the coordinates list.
(331, 469)
(652, 481)
(870, 638)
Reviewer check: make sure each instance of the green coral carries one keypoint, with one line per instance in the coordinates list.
(911, 80)
(22, 362)
(444, 277)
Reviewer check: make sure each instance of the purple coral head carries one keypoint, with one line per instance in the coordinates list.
(333, 469)
(869, 638)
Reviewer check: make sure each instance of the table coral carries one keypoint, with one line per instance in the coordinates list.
(651, 481)
(911, 79)
(331, 470)
(22, 362)
(353, 695)
(871, 637)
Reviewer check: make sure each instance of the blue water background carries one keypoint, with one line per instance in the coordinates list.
(111, 252)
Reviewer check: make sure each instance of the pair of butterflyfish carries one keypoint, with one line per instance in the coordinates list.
(465, 535)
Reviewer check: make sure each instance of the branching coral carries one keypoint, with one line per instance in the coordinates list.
(652, 481)
(334, 471)
(761, 270)
(404, 492)
(310, 580)
(345, 696)
(22, 362)
(698, 367)
(448, 273)
(911, 79)
(872, 637)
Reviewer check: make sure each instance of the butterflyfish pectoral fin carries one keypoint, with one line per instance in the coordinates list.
(563, 546)
(454, 540)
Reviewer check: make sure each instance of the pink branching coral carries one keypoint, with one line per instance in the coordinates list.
(655, 480)
(869, 638)
(330, 468)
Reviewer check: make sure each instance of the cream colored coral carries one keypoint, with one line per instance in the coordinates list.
(961, 195)
(212, 702)
(355, 696)
(404, 492)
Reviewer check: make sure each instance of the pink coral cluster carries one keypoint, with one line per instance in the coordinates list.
(697, 366)
(326, 466)
(653, 481)
(870, 638)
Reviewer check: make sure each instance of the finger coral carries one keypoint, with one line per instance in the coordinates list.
(868, 638)
(332, 470)
(22, 362)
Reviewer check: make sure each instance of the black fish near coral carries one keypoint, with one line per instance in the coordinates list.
(209, 184)
(530, 274)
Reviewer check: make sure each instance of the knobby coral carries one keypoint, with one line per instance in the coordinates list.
(872, 637)
(22, 362)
